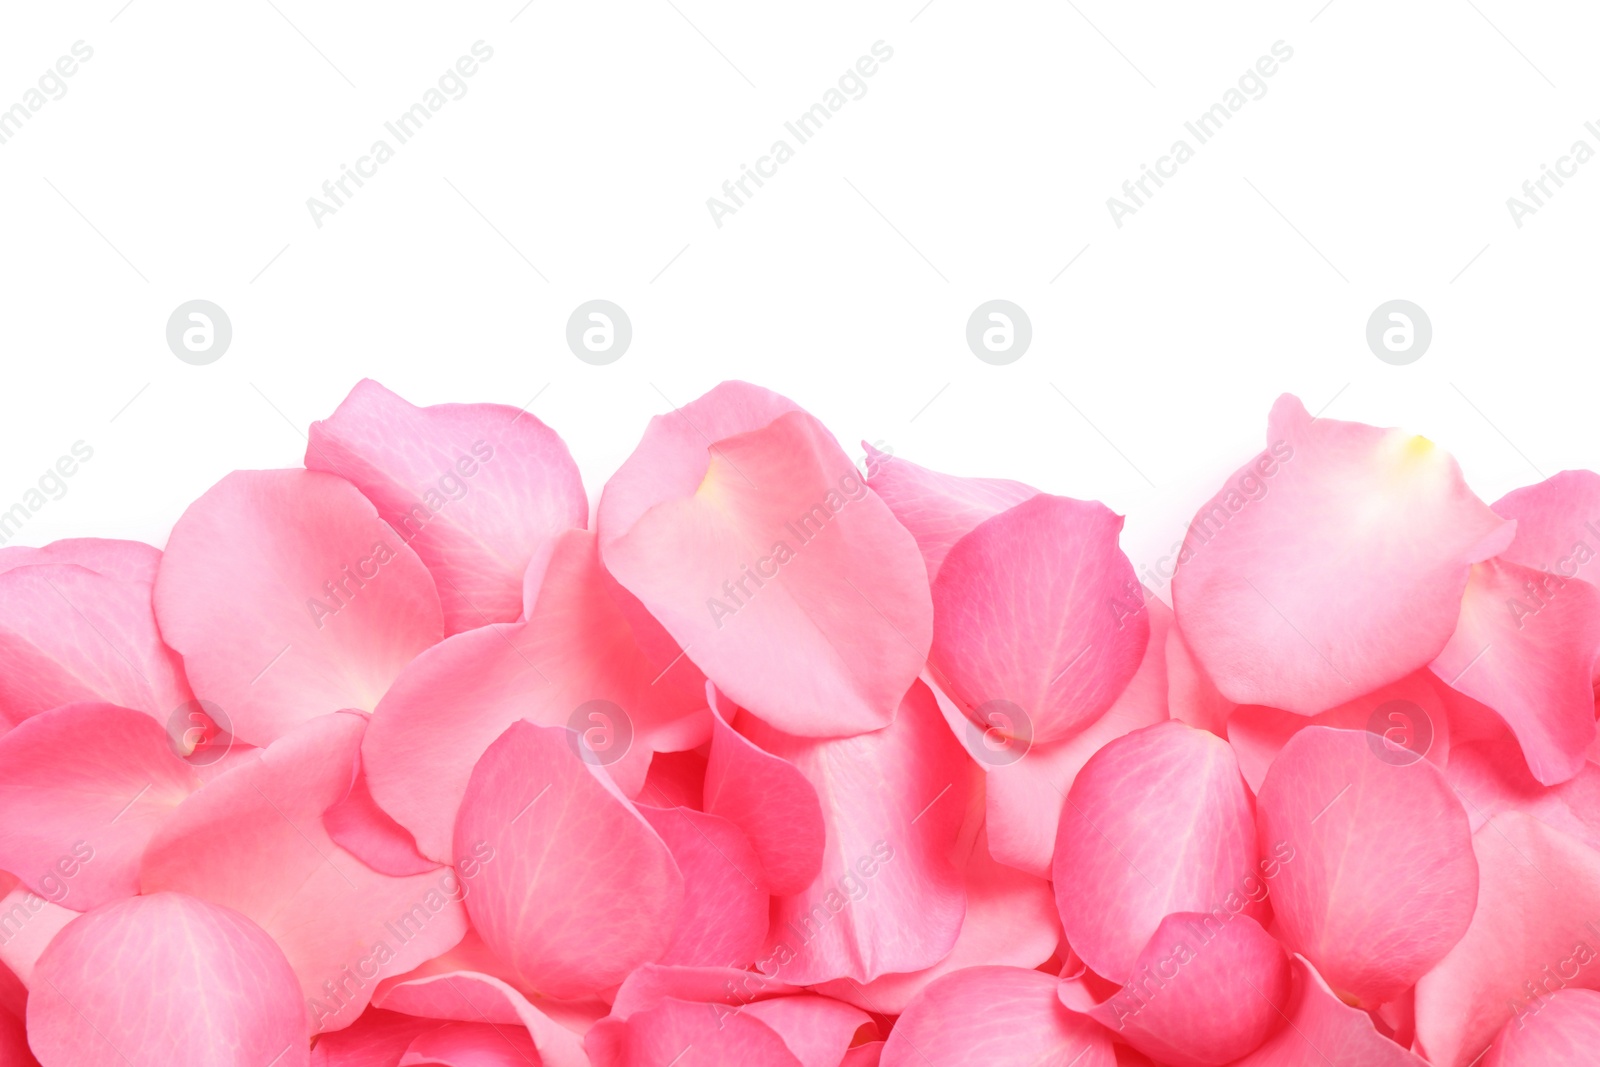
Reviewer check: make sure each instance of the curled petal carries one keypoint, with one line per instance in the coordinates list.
(475, 489)
(740, 523)
(1329, 565)
(548, 826)
(1525, 647)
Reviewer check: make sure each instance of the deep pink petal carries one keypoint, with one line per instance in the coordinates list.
(1525, 647)
(1322, 1029)
(69, 634)
(1533, 932)
(1038, 609)
(888, 898)
(724, 919)
(771, 800)
(562, 834)
(253, 840)
(938, 509)
(1204, 991)
(1564, 1032)
(578, 660)
(289, 598)
(474, 489)
(741, 524)
(998, 1015)
(1330, 564)
(1157, 822)
(1382, 881)
(166, 981)
(678, 1033)
(82, 790)
(1011, 921)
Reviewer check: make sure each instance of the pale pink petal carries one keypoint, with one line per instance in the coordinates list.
(1382, 881)
(1410, 718)
(724, 919)
(1038, 609)
(998, 1015)
(1564, 1032)
(289, 598)
(1011, 921)
(253, 840)
(467, 996)
(1525, 647)
(1157, 822)
(474, 1044)
(166, 981)
(27, 923)
(1491, 777)
(562, 834)
(732, 987)
(577, 661)
(82, 790)
(816, 1029)
(1322, 1030)
(1193, 696)
(1531, 934)
(768, 798)
(938, 509)
(1330, 564)
(1558, 525)
(740, 523)
(69, 634)
(1026, 785)
(888, 898)
(1203, 993)
(474, 489)
(125, 561)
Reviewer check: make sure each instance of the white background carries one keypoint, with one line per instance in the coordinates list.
(978, 164)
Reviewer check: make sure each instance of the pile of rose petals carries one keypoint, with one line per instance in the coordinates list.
(405, 758)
